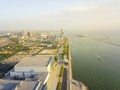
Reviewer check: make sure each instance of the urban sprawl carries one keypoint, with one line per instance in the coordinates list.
(33, 60)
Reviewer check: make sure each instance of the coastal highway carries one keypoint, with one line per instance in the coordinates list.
(68, 82)
(64, 80)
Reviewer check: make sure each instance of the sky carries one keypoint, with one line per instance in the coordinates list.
(57, 14)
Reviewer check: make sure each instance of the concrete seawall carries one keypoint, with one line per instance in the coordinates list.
(74, 84)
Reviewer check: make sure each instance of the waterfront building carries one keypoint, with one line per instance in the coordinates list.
(32, 66)
(8, 84)
(39, 84)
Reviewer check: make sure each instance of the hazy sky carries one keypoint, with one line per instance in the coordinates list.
(56, 14)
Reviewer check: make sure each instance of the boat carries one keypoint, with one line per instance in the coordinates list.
(98, 57)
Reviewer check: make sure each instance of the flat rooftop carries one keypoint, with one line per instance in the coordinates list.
(42, 76)
(27, 85)
(34, 61)
(8, 84)
(32, 84)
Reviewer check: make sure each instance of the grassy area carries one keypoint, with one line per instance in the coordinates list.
(59, 84)
(56, 58)
(13, 49)
(38, 51)
(66, 48)
(61, 71)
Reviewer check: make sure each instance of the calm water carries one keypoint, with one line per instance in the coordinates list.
(95, 62)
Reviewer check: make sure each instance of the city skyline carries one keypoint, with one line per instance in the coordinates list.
(69, 15)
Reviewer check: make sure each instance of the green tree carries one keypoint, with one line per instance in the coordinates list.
(56, 58)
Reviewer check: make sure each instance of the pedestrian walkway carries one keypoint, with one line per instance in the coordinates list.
(53, 78)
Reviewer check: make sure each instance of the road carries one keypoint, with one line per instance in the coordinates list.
(64, 80)
(59, 55)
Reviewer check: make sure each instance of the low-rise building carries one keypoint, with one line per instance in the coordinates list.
(27, 85)
(32, 66)
(8, 84)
